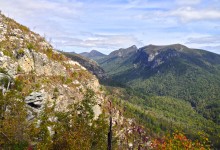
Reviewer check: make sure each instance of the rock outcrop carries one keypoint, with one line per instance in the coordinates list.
(89, 64)
(35, 102)
(47, 76)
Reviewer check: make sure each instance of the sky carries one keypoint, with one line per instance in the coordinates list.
(107, 25)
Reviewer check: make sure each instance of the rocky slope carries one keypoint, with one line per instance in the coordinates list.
(27, 57)
(39, 86)
(89, 64)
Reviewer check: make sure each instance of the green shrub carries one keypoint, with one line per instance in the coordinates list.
(68, 81)
(24, 28)
(49, 53)
(7, 53)
(55, 92)
(56, 89)
(20, 52)
(30, 46)
(2, 70)
(37, 85)
(18, 85)
(19, 69)
(4, 81)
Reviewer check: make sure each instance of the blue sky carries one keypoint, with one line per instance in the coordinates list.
(106, 25)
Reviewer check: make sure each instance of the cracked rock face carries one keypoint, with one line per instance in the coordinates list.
(26, 62)
(44, 66)
(35, 102)
(8, 64)
(27, 57)
(35, 99)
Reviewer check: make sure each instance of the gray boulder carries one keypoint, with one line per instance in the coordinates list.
(35, 102)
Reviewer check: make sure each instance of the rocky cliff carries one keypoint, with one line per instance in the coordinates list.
(89, 64)
(47, 75)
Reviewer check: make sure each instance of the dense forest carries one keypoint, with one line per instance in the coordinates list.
(167, 88)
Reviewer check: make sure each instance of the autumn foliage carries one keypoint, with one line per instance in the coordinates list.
(179, 141)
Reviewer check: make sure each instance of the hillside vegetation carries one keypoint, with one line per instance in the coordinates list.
(169, 87)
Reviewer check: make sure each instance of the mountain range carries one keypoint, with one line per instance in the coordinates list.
(174, 71)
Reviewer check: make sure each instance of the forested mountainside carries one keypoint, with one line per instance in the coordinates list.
(173, 70)
(168, 83)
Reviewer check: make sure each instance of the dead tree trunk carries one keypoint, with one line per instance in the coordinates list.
(110, 134)
(110, 127)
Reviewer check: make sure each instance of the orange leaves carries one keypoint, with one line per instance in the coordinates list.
(178, 141)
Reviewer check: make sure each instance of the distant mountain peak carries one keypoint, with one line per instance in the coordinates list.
(96, 53)
(133, 47)
(93, 54)
(124, 51)
(158, 48)
(92, 51)
(179, 47)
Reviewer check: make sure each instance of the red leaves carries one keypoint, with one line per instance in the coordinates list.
(178, 141)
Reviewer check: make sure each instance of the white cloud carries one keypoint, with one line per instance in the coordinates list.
(24, 8)
(187, 14)
(204, 40)
(101, 41)
(46, 17)
(188, 2)
(145, 4)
